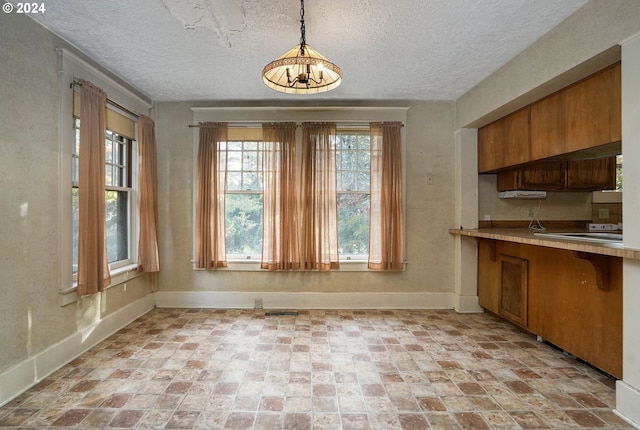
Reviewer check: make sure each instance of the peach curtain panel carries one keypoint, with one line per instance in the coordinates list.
(93, 267)
(386, 232)
(211, 181)
(319, 209)
(148, 207)
(280, 248)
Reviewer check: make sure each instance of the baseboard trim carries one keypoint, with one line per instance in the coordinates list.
(627, 401)
(31, 371)
(303, 300)
(467, 304)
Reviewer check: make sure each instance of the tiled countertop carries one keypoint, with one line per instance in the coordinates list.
(526, 236)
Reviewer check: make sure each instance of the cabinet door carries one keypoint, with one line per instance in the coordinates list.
(616, 103)
(588, 109)
(513, 289)
(548, 127)
(488, 275)
(516, 138)
(504, 142)
(490, 147)
(543, 176)
(596, 174)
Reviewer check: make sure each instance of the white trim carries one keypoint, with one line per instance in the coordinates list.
(304, 300)
(32, 370)
(627, 401)
(467, 304)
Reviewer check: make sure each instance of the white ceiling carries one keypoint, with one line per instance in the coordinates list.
(174, 50)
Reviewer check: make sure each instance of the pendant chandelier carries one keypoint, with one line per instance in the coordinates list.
(302, 70)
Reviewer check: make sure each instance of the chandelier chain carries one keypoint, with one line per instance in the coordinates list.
(303, 41)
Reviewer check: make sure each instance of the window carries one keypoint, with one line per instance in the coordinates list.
(619, 172)
(352, 182)
(244, 196)
(243, 203)
(118, 196)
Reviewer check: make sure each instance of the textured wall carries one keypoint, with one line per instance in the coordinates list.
(592, 30)
(557, 206)
(30, 315)
(430, 149)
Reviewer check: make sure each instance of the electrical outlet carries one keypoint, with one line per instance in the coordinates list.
(603, 213)
(257, 303)
(531, 214)
(429, 179)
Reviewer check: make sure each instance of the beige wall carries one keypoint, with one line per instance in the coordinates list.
(429, 148)
(30, 315)
(558, 206)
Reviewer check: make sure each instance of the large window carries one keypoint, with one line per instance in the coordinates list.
(244, 196)
(118, 196)
(352, 182)
(244, 199)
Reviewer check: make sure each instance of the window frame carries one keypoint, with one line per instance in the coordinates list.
(72, 68)
(247, 257)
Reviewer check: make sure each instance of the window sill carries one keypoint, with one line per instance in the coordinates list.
(254, 266)
(118, 276)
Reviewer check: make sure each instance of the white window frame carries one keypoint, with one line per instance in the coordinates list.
(244, 257)
(70, 68)
(343, 116)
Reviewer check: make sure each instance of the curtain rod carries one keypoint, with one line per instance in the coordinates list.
(111, 102)
(259, 124)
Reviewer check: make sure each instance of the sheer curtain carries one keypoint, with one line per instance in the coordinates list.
(93, 267)
(386, 232)
(319, 209)
(148, 242)
(280, 249)
(211, 180)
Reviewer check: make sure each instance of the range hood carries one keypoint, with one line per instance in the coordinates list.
(522, 194)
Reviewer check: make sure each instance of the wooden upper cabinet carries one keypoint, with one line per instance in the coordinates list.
(516, 138)
(504, 142)
(541, 176)
(616, 103)
(490, 147)
(584, 115)
(596, 174)
(589, 109)
(548, 127)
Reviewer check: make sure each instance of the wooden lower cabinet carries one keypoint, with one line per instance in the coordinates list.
(566, 298)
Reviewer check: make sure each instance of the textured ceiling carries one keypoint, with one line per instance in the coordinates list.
(174, 50)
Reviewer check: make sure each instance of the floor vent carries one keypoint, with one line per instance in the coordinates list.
(281, 313)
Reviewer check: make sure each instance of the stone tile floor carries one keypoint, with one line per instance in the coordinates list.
(331, 369)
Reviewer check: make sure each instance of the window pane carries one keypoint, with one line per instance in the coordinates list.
(234, 146)
(348, 181)
(74, 226)
(244, 223)
(353, 223)
(250, 161)
(117, 217)
(234, 181)
(108, 148)
(234, 160)
(250, 181)
(364, 180)
(108, 173)
(251, 145)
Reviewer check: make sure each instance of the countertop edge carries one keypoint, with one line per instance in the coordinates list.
(527, 237)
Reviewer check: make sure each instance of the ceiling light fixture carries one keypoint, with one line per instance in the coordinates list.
(302, 70)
